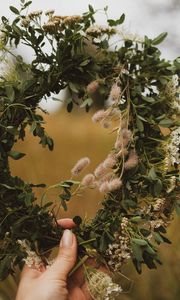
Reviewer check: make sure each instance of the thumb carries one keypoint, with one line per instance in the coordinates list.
(66, 257)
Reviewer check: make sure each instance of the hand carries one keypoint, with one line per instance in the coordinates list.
(51, 283)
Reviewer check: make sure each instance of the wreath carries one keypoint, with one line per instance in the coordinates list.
(138, 178)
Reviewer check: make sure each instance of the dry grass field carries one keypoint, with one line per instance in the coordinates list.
(76, 136)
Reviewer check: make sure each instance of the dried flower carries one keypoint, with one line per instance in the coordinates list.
(132, 160)
(88, 180)
(114, 95)
(159, 204)
(115, 184)
(100, 285)
(100, 170)
(49, 12)
(99, 116)
(92, 87)
(110, 161)
(119, 251)
(25, 22)
(32, 260)
(171, 184)
(80, 165)
(174, 147)
(104, 187)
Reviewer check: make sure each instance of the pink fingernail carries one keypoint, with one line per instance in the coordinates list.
(67, 239)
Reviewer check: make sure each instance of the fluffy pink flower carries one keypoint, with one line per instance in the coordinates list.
(80, 165)
(132, 160)
(115, 184)
(100, 170)
(92, 87)
(88, 180)
(99, 116)
(106, 177)
(110, 161)
(104, 187)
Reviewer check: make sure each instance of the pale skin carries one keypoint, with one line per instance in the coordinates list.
(53, 283)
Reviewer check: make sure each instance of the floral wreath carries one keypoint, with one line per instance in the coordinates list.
(139, 177)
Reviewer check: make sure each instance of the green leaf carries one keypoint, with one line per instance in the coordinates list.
(10, 93)
(152, 174)
(88, 102)
(166, 123)
(137, 252)
(158, 188)
(70, 107)
(119, 21)
(91, 9)
(77, 220)
(16, 155)
(159, 39)
(73, 87)
(14, 10)
(139, 242)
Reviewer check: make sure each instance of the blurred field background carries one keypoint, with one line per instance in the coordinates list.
(76, 136)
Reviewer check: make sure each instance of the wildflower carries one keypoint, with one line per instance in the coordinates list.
(119, 251)
(123, 139)
(92, 87)
(157, 223)
(25, 22)
(159, 204)
(106, 177)
(99, 116)
(106, 124)
(172, 184)
(132, 160)
(35, 14)
(32, 260)
(110, 161)
(114, 95)
(100, 285)
(115, 184)
(174, 147)
(104, 187)
(88, 180)
(100, 170)
(49, 12)
(80, 165)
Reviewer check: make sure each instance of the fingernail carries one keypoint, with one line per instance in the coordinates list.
(67, 239)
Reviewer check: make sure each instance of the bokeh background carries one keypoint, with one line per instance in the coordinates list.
(76, 136)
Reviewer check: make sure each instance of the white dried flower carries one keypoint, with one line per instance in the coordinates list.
(80, 165)
(49, 12)
(159, 204)
(101, 286)
(174, 146)
(32, 260)
(171, 184)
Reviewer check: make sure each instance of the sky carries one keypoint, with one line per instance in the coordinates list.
(143, 17)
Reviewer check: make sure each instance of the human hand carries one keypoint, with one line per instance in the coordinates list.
(52, 283)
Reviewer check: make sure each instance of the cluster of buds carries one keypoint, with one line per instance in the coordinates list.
(35, 14)
(32, 260)
(174, 147)
(119, 251)
(96, 31)
(159, 204)
(171, 184)
(101, 286)
(157, 223)
(172, 93)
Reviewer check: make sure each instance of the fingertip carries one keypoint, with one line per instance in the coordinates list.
(66, 223)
